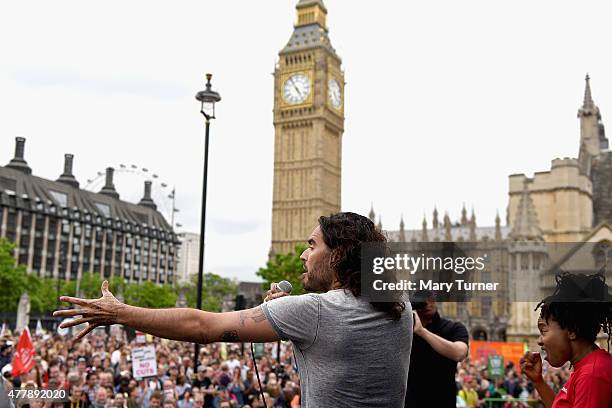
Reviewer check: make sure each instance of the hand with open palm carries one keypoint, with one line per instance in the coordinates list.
(95, 312)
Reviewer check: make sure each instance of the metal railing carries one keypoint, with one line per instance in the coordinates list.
(515, 403)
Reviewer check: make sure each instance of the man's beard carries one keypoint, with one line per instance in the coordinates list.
(318, 279)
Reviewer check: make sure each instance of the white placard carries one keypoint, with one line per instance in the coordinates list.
(140, 338)
(144, 363)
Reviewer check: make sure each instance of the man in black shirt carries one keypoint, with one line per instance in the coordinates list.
(438, 345)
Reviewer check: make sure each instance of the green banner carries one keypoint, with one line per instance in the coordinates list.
(259, 349)
(495, 366)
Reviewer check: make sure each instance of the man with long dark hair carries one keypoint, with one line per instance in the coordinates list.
(350, 352)
(569, 323)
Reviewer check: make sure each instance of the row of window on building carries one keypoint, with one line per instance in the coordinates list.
(65, 245)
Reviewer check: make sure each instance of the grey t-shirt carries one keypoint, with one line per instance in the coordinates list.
(348, 354)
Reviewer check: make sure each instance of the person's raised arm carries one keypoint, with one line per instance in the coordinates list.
(454, 350)
(176, 324)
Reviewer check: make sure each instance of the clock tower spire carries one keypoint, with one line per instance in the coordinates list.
(311, 11)
(308, 129)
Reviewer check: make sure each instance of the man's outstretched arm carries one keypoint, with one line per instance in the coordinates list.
(197, 326)
(177, 324)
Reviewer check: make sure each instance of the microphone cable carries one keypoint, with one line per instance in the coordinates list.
(286, 287)
(258, 380)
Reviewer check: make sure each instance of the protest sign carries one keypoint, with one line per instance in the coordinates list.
(144, 363)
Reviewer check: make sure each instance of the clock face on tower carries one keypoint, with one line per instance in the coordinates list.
(334, 93)
(296, 89)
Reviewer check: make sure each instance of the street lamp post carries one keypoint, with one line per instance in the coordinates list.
(207, 99)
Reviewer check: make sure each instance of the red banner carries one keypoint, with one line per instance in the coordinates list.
(23, 361)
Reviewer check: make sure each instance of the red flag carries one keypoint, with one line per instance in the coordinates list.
(23, 361)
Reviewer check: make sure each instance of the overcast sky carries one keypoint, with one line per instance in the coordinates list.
(444, 99)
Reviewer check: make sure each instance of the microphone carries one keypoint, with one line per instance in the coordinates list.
(285, 286)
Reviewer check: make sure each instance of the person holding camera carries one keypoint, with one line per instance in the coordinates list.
(438, 345)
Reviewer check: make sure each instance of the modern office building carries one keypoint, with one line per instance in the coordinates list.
(62, 231)
(189, 255)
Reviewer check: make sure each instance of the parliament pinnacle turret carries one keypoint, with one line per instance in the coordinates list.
(592, 133)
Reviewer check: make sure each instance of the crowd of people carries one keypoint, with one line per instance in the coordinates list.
(97, 372)
(349, 351)
(477, 388)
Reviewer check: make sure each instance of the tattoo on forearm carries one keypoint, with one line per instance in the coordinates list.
(257, 315)
(230, 335)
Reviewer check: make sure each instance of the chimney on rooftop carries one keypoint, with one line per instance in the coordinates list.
(18, 162)
(109, 187)
(147, 201)
(67, 177)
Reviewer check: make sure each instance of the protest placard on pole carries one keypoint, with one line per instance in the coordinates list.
(144, 362)
(259, 350)
(495, 365)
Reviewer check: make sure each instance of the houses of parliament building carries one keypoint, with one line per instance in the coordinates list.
(552, 219)
(570, 203)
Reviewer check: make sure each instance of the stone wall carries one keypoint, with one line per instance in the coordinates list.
(601, 175)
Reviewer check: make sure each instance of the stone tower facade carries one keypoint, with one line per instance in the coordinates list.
(576, 194)
(528, 259)
(601, 176)
(308, 126)
(561, 197)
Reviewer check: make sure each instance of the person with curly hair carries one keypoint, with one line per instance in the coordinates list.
(569, 323)
(350, 352)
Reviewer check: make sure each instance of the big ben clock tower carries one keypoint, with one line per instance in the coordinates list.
(308, 127)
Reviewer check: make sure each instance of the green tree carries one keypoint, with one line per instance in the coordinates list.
(45, 299)
(90, 284)
(214, 289)
(287, 267)
(14, 280)
(116, 285)
(148, 294)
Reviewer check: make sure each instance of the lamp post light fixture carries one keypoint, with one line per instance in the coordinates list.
(208, 98)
